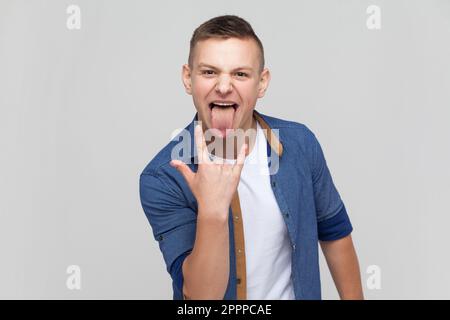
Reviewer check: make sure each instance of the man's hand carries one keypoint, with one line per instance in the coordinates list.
(215, 182)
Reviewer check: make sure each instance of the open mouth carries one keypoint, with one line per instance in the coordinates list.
(222, 116)
(223, 105)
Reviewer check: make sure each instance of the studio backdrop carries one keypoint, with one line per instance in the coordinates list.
(90, 91)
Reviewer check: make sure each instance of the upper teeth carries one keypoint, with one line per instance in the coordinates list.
(223, 104)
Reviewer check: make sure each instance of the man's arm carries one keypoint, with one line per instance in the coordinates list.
(206, 269)
(343, 264)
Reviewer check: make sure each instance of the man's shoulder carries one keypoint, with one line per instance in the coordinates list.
(160, 161)
(179, 147)
(288, 127)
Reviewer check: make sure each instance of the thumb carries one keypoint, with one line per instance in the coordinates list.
(185, 171)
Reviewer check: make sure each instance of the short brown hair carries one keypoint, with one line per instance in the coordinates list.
(225, 27)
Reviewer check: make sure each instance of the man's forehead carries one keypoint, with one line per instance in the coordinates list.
(230, 53)
(238, 67)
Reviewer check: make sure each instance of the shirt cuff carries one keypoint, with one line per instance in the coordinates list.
(336, 227)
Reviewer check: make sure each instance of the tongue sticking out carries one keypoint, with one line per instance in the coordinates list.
(222, 119)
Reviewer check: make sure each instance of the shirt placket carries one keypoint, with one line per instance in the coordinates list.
(239, 249)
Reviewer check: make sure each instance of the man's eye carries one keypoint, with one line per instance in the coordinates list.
(241, 74)
(208, 72)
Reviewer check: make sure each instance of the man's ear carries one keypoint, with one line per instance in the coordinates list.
(263, 82)
(186, 78)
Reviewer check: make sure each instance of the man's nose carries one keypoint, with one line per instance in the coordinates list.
(224, 84)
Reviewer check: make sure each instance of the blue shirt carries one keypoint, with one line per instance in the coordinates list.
(303, 188)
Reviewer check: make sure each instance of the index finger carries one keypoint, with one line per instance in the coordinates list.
(201, 144)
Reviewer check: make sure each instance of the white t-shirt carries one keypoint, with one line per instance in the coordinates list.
(267, 245)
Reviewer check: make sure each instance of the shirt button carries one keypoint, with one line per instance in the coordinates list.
(273, 184)
(236, 217)
(239, 250)
(238, 281)
(293, 246)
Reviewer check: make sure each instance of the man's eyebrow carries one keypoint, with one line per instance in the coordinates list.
(205, 65)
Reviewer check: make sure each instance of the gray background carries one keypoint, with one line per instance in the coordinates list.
(83, 111)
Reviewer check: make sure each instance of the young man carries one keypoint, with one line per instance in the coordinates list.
(241, 218)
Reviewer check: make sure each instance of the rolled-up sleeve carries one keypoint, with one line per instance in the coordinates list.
(332, 219)
(173, 224)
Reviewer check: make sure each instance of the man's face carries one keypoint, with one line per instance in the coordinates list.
(225, 81)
